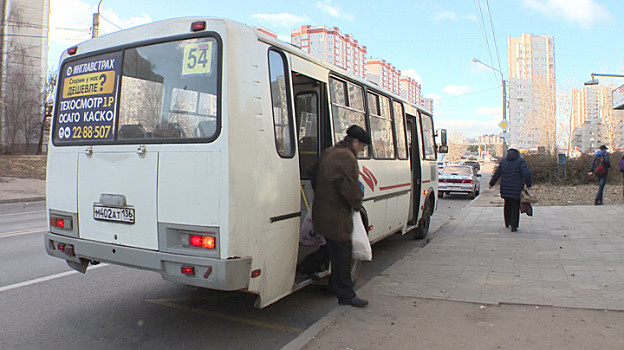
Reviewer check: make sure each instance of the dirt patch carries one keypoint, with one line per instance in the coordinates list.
(23, 166)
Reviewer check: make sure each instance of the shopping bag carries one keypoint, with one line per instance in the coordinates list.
(527, 197)
(307, 236)
(359, 239)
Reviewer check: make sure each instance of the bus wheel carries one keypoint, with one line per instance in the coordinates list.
(423, 225)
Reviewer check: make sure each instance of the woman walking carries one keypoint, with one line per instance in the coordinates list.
(514, 173)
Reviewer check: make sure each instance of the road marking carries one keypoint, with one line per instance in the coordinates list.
(170, 303)
(23, 232)
(44, 279)
(23, 213)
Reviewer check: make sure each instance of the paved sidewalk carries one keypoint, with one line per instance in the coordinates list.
(568, 257)
(14, 190)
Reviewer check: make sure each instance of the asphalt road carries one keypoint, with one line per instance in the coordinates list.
(45, 304)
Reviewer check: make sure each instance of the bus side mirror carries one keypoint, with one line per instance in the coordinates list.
(443, 142)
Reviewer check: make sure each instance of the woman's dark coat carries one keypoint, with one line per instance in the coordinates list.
(514, 174)
(337, 192)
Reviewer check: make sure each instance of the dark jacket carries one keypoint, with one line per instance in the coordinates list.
(337, 193)
(607, 163)
(514, 174)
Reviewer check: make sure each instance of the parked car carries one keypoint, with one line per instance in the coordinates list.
(472, 163)
(440, 166)
(459, 179)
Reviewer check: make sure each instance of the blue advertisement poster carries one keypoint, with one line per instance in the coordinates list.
(87, 104)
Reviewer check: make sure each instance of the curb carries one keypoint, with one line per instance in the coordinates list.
(319, 326)
(23, 200)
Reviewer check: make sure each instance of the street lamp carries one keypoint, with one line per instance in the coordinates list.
(96, 22)
(504, 102)
(594, 81)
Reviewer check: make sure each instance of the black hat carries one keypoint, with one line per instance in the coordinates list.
(359, 133)
(603, 147)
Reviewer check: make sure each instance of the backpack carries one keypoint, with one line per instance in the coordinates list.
(601, 167)
(622, 165)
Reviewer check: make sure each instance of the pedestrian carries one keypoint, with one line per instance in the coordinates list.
(600, 167)
(337, 194)
(514, 173)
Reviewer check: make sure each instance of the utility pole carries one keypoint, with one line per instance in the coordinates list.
(504, 103)
(96, 22)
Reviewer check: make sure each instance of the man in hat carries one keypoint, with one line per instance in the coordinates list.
(600, 167)
(337, 193)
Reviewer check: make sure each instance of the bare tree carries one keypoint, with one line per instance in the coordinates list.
(545, 113)
(48, 101)
(22, 93)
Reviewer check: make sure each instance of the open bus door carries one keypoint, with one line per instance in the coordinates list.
(414, 156)
(313, 135)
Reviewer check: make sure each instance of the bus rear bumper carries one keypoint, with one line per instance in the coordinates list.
(213, 273)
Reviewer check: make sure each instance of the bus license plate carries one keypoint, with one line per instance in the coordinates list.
(104, 213)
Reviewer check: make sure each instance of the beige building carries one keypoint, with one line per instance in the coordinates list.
(531, 93)
(411, 90)
(384, 74)
(23, 72)
(592, 119)
(332, 46)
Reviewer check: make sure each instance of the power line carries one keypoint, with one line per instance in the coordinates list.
(479, 12)
(487, 3)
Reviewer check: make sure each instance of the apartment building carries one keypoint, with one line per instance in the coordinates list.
(427, 105)
(384, 74)
(532, 94)
(411, 90)
(23, 72)
(332, 46)
(592, 119)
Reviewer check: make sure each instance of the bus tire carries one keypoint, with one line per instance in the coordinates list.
(423, 225)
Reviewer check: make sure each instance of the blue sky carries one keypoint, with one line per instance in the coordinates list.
(432, 41)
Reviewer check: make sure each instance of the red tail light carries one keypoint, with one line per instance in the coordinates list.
(202, 241)
(72, 50)
(188, 270)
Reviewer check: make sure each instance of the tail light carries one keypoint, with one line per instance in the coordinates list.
(199, 240)
(61, 222)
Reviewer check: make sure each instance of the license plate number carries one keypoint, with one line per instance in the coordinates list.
(105, 213)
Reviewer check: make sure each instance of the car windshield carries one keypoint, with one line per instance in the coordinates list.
(453, 169)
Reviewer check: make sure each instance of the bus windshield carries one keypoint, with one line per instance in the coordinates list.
(165, 92)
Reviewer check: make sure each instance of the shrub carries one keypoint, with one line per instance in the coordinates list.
(544, 169)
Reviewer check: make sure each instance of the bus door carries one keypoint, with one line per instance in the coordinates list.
(312, 134)
(414, 156)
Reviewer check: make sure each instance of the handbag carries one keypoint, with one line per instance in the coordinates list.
(527, 197)
(360, 245)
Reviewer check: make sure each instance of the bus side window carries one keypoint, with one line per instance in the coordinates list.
(280, 97)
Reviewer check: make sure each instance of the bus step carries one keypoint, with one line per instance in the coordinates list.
(410, 228)
(303, 280)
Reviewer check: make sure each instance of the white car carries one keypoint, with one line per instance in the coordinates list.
(440, 166)
(459, 179)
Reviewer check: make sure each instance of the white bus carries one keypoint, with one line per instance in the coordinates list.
(183, 147)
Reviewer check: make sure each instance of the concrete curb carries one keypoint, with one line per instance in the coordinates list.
(23, 200)
(319, 326)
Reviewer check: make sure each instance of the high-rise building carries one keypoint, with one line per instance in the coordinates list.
(428, 105)
(411, 90)
(593, 121)
(532, 96)
(23, 72)
(384, 74)
(331, 46)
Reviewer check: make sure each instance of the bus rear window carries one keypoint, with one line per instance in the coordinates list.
(166, 92)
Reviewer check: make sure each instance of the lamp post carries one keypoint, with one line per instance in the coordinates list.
(594, 81)
(96, 22)
(504, 102)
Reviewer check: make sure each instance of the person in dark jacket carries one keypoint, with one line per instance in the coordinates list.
(337, 194)
(602, 178)
(514, 173)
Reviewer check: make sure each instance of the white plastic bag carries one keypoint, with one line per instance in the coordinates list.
(307, 236)
(359, 239)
